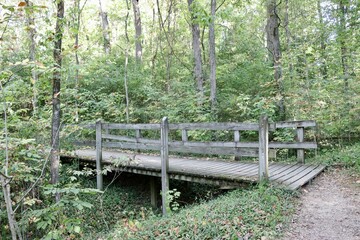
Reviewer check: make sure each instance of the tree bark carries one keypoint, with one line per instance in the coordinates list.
(273, 46)
(323, 67)
(138, 30)
(105, 29)
(195, 30)
(343, 47)
(32, 53)
(56, 112)
(126, 63)
(212, 56)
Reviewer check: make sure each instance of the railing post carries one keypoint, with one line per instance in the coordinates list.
(300, 138)
(263, 148)
(164, 131)
(237, 140)
(99, 176)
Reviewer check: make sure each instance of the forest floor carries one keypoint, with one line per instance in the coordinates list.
(329, 208)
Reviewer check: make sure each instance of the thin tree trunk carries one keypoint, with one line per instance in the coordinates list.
(126, 63)
(323, 67)
(56, 112)
(197, 50)
(32, 53)
(273, 45)
(138, 30)
(5, 181)
(76, 47)
(343, 47)
(105, 29)
(212, 56)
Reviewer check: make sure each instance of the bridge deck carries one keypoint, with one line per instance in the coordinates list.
(219, 172)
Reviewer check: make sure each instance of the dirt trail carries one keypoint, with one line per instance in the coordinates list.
(329, 209)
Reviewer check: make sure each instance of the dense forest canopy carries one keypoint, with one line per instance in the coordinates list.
(136, 61)
(137, 58)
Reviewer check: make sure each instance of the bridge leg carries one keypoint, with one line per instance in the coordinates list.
(263, 148)
(99, 176)
(154, 192)
(300, 138)
(164, 164)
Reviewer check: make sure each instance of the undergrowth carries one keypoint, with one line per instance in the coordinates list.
(252, 213)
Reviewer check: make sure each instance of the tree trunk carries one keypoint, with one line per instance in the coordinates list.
(138, 30)
(212, 56)
(273, 45)
(5, 180)
(105, 29)
(32, 53)
(343, 47)
(126, 63)
(76, 19)
(197, 50)
(323, 67)
(55, 127)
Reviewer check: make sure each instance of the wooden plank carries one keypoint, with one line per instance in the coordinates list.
(263, 148)
(215, 150)
(305, 179)
(285, 173)
(125, 145)
(215, 126)
(130, 139)
(124, 126)
(216, 144)
(290, 179)
(87, 143)
(293, 145)
(282, 169)
(293, 173)
(295, 124)
(164, 132)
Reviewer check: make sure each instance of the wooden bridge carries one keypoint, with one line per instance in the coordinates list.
(212, 171)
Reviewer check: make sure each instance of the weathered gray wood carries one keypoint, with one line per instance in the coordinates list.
(215, 144)
(154, 192)
(236, 140)
(145, 126)
(130, 139)
(242, 152)
(87, 143)
(215, 126)
(218, 172)
(263, 148)
(184, 135)
(99, 176)
(126, 145)
(293, 145)
(164, 164)
(300, 139)
(295, 124)
(307, 178)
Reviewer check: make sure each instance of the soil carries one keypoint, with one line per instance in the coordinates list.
(329, 208)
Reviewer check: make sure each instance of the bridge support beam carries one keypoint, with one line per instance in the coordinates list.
(164, 131)
(263, 148)
(154, 192)
(99, 176)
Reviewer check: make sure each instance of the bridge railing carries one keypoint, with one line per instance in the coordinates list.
(106, 138)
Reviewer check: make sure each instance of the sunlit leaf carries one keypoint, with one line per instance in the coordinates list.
(22, 4)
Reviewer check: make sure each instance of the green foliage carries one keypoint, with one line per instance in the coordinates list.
(345, 156)
(256, 212)
(58, 220)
